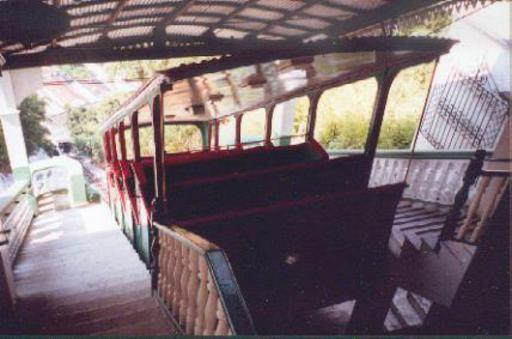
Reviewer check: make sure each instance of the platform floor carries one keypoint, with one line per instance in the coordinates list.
(77, 274)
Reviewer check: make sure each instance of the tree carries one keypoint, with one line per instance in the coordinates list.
(79, 71)
(141, 69)
(84, 123)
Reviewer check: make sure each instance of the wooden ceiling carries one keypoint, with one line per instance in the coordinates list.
(109, 30)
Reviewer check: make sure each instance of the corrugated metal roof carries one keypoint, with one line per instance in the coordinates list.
(107, 30)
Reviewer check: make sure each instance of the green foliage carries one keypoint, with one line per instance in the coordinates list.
(182, 138)
(344, 113)
(92, 194)
(32, 115)
(4, 157)
(76, 71)
(435, 24)
(84, 123)
(141, 69)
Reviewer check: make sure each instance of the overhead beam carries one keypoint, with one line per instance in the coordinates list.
(214, 47)
(115, 14)
(232, 15)
(285, 17)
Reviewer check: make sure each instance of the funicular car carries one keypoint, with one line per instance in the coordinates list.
(245, 235)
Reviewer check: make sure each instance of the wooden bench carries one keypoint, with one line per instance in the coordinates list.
(205, 196)
(216, 163)
(306, 254)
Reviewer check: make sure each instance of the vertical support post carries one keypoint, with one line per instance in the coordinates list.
(12, 128)
(385, 80)
(113, 145)
(238, 131)
(268, 125)
(122, 140)
(216, 136)
(106, 147)
(135, 136)
(159, 203)
(204, 127)
(159, 158)
(313, 105)
(15, 143)
(210, 136)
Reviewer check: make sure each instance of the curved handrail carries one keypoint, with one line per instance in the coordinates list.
(197, 286)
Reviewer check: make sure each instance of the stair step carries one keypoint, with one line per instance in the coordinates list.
(69, 299)
(420, 305)
(391, 323)
(113, 321)
(84, 283)
(430, 240)
(143, 326)
(458, 250)
(405, 309)
(67, 269)
(105, 311)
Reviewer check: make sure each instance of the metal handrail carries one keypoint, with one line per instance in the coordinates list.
(409, 154)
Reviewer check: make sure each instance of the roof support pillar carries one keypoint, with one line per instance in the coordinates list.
(385, 80)
(12, 129)
(159, 159)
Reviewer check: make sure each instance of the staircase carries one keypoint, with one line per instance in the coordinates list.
(426, 277)
(77, 275)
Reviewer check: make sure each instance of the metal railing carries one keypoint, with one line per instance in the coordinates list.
(196, 286)
(464, 110)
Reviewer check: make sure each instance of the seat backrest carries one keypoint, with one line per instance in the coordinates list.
(237, 191)
(306, 254)
(216, 163)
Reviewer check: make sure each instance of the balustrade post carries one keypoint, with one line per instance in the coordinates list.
(211, 307)
(176, 295)
(473, 207)
(169, 271)
(161, 281)
(501, 187)
(184, 286)
(154, 264)
(193, 285)
(202, 296)
(222, 325)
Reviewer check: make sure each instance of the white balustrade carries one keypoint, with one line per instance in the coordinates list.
(432, 180)
(17, 206)
(187, 287)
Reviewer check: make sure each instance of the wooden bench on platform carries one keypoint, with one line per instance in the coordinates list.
(303, 255)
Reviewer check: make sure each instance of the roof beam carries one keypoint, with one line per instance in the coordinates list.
(216, 46)
(232, 15)
(285, 17)
(115, 14)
